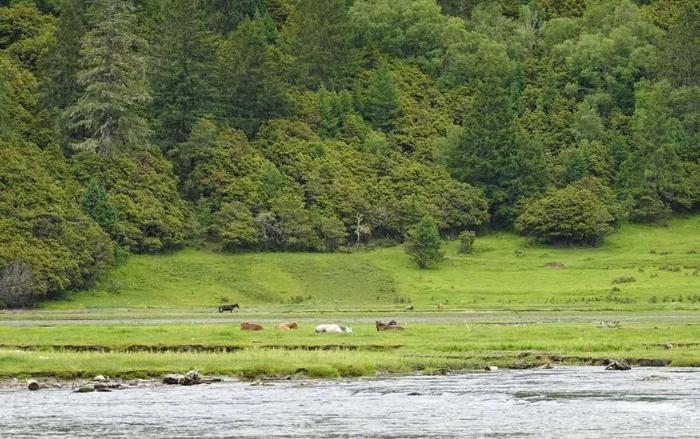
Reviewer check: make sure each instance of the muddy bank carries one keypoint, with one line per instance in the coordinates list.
(197, 348)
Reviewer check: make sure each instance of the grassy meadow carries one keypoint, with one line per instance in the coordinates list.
(638, 268)
(510, 303)
(148, 350)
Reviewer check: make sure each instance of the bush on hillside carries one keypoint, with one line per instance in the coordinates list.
(143, 189)
(466, 241)
(568, 216)
(423, 244)
(47, 244)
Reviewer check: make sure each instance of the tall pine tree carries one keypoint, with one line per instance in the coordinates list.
(109, 112)
(318, 36)
(382, 106)
(250, 77)
(182, 77)
(489, 152)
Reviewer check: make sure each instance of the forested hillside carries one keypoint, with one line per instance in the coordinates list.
(132, 126)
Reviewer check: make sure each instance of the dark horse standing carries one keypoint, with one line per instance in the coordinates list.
(229, 308)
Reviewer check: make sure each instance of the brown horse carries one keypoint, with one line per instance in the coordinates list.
(247, 326)
(390, 326)
(287, 326)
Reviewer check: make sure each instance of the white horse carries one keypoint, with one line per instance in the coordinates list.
(333, 328)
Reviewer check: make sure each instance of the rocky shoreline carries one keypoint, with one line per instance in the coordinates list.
(101, 383)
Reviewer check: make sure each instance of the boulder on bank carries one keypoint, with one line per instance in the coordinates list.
(189, 379)
(33, 385)
(617, 365)
(491, 368)
(85, 388)
(172, 378)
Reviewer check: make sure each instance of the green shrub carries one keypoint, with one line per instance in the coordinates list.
(143, 189)
(94, 202)
(623, 280)
(569, 216)
(466, 241)
(47, 244)
(424, 243)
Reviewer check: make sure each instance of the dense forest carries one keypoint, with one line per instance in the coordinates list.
(319, 125)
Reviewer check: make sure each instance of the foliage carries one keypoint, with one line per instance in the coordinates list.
(143, 190)
(95, 203)
(108, 116)
(250, 77)
(569, 216)
(47, 244)
(321, 124)
(423, 244)
(466, 241)
(183, 88)
(382, 107)
(316, 35)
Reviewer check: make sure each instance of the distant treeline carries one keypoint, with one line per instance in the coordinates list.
(140, 126)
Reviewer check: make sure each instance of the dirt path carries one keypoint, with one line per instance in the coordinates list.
(35, 318)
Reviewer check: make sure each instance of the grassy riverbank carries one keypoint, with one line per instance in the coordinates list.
(638, 268)
(509, 304)
(149, 350)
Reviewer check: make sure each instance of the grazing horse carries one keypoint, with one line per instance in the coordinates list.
(286, 326)
(390, 326)
(333, 328)
(246, 326)
(229, 308)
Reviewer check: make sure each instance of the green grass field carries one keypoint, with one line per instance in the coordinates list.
(510, 303)
(148, 350)
(504, 272)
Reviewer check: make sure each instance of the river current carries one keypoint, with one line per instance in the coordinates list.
(567, 402)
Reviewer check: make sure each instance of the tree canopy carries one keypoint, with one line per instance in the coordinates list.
(320, 125)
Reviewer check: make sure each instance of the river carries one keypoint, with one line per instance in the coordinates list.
(566, 402)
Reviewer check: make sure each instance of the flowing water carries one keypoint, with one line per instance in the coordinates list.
(564, 402)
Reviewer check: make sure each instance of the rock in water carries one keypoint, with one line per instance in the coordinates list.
(192, 377)
(617, 365)
(491, 368)
(172, 378)
(32, 385)
(86, 388)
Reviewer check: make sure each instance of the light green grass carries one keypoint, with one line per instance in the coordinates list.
(505, 271)
(151, 350)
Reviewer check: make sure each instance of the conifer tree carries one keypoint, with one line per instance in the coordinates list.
(95, 203)
(182, 78)
(4, 109)
(680, 54)
(489, 152)
(331, 113)
(249, 75)
(59, 67)
(653, 173)
(318, 36)
(382, 107)
(114, 92)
